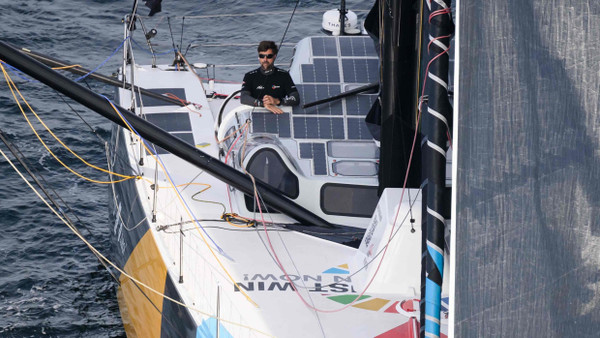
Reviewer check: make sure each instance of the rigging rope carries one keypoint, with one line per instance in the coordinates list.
(102, 64)
(260, 14)
(187, 208)
(13, 88)
(66, 67)
(143, 49)
(288, 24)
(108, 261)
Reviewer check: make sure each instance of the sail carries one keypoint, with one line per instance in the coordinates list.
(528, 176)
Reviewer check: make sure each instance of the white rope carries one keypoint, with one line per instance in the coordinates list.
(101, 256)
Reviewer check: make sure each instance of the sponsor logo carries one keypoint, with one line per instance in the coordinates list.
(275, 87)
(260, 87)
(328, 281)
(314, 283)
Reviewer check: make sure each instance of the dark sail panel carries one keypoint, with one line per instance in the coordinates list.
(528, 185)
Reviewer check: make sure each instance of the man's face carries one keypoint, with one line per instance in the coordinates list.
(266, 59)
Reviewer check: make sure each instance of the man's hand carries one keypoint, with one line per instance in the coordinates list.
(270, 100)
(272, 108)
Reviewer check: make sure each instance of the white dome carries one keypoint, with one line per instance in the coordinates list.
(331, 22)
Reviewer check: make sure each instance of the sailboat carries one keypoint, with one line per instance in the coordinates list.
(232, 221)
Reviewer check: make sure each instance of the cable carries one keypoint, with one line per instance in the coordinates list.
(102, 64)
(288, 24)
(145, 51)
(101, 256)
(11, 85)
(17, 72)
(158, 160)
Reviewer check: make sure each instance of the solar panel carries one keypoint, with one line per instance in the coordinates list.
(319, 159)
(315, 152)
(306, 151)
(171, 121)
(308, 73)
(278, 124)
(322, 46)
(357, 46)
(153, 102)
(313, 92)
(360, 70)
(318, 127)
(357, 129)
(359, 104)
(333, 63)
(322, 70)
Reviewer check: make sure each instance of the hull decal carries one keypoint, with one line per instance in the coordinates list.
(143, 306)
(208, 329)
(177, 320)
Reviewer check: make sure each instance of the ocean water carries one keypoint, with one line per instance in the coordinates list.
(50, 283)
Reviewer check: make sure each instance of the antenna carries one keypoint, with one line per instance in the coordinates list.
(343, 12)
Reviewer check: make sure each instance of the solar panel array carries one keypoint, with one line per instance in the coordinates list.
(336, 62)
(315, 152)
(150, 101)
(177, 124)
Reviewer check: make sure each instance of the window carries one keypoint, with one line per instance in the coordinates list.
(349, 200)
(268, 167)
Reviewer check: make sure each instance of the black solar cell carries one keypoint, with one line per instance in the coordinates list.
(319, 159)
(318, 127)
(357, 129)
(306, 150)
(171, 121)
(313, 92)
(267, 122)
(357, 46)
(326, 70)
(323, 46)
(152, 102)
(359, 104)
(360, 70)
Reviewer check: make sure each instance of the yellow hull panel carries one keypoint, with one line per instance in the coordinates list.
(140, 307)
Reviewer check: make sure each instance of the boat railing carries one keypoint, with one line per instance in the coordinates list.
(234, 122)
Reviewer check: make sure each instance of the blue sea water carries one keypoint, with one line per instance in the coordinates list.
(50, 283)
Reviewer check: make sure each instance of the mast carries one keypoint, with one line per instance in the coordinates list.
(436, 138)
(154, 134)
(343, 12)
(399, 63)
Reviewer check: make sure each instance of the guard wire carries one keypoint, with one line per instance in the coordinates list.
(13, 88)
(111, 263)
(288, 24)
(36, 178)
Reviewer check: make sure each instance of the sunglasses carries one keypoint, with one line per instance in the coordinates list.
(268, 56)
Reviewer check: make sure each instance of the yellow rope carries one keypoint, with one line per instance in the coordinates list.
(65, 67)
(233, 216)
(12, 85)
(102, 257)
(186, 209)
(64, 145)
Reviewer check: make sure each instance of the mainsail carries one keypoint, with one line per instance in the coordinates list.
(528, 177)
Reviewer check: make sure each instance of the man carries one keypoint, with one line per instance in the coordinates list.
(268, 86)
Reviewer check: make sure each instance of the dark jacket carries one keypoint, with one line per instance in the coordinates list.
(275, 82)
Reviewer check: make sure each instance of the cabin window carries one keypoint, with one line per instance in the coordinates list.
(349, 200)
(268, 167)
